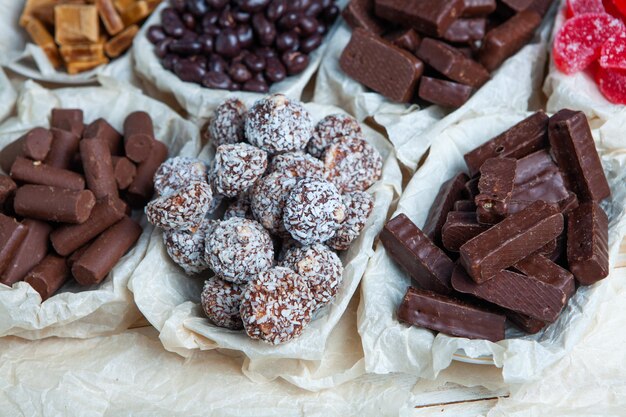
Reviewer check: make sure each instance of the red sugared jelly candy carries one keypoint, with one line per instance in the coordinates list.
(613, 54)
(620, 5)
(612, 9)
(580, 40)
(612, 84)
(576, 7)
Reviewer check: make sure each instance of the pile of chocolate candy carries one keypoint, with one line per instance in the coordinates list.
(293, 193)
(524, 228)
(240, 45)
(439, 51)
(69, 31)
(63, 204)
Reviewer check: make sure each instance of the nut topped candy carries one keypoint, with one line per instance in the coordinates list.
(359, 206)
(313, 211)
(221, 301)
(297, 164)
(184, 209)
(236, 168)
(177, 172)
(276, 306)
(187, 248)
(239, 249)
(278, 124)
(352, 164)
(331, 128)
(268, 199)
(320, 267)
(227, 124)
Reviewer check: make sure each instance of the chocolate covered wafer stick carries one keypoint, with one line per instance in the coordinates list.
(451, 191)
(497, 180)
(588, 243)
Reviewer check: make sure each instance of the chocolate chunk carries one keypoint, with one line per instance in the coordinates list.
(428, 265)
(444, 93)
(464, 205)
(70, 120)
(525, 323)
(101, 129)
(12, 234)
(471, 187)
(54, 204)
(575, 152)
(124, 171)
(407, 39)
(63, 150)
(138, 136)
(360, 14)
(451, 191)
(48, 276)
(526, 137)
(511, 240)
(505, 40)
(497, 179)
(104, 253)
(460, 227)
(473, 8)
(452, 63)
(588, 243)
(7, 189)
(450, 316)
(98, 166)
(466, 30)
(432, 17)
(541, 6)
(68, 238)
(381, 66)
(517, 6)
(33, 249)
(142, 187)
(35, 145)
(34, 172)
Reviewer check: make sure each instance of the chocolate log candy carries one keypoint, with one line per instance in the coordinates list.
(575, 152)
(34, 172)
(63, 150)
(98, 166)
(124, 171)
(451, 191)
(432, 17)
(497, 179)
(68, 238)
(138, 136)
(444, 93)
(34, 145)
(101, 129)
(464, 205)
(142, 187)
(505, 40)
(452, 63)
(360, 14)
(466, 30)
(104, 253)
(54, 204)
(450, 316)
(428, 265)
(460, 227)
(75, 256)
(33, 249)
(381, 66)
(511, 240)
(472, 8)
(70, 120)
(7, 189)
(48, 276)
(12, 234)
(526, 137)
(525, 323)
(588, 243)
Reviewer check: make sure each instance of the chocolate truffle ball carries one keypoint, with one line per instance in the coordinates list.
(187, 248)
(352, 164)
(221, 301)
(184, 209)
(240, 207)
(331, 128)
(268, 199)
(298, 164)
(236, 168)
(359, 205)
(227, 124)
(177, 172)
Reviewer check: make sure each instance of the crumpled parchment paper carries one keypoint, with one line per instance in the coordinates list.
(77, 311)
(390, 346)
(169, 299)
(8, 95)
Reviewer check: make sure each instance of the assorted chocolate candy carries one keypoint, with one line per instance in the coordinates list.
(291, 192)
(240, 45)
(436, 51)
(513, 240)
(66, 208)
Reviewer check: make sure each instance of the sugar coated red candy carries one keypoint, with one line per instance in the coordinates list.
(580, 40)
(613, 53)
(612, 84)
(576, 7)
(620, 5)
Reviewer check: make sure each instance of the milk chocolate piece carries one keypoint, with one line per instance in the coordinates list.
(450, 316)
(466, 30)
(432, 17)
(104, 253)
(525, 323)
(526, 137)
(428, 265)
(48, 276)
(101, 129)
(473, 8)
(360, 14)
(98, 166)
(471, 187)
(7, 189)
(70, 120)
(497, 179)
(517, 6)
(451, 191)
(54, 204)
(381, 66)
(33, 249)
(138, 136)
(142, 187)
(64, 148)
(511, 240)
(541, 6)
(75, 256)
(460, 227)
(33, 172)
(124, 171)
(505, 40)
(588, 243)
(444, 93)
(407, 39)
(120, 43)
(110, 17)
(34, 145)
(452, 63)
(464, 205)
(575, 152)
(12, 234)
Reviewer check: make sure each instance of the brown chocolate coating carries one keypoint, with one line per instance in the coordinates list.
(98, 166)
(70, 120)
(466, 30)
(497, 179)
(33, 249)
(142, 187)
(471, 187)
(541, 6)
(35, 144)
(473, 8)
(444, 93)
(12, 234)
(138, 136)
(48, 276)
(450, 191)
(101, 129)
(124, 171)
(517, 6)
(360, 14)
(63, 150)
(34, 172)
(7, 189)
(460, 227)
(54, 204)
(525, 323)
(464, 205)
(432, 17)
(588, 243)
(407, 39)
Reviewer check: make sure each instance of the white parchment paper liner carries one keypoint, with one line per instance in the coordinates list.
(8, 96)
(77, 311)
(169, 299)
(390, 346)
(200, 102)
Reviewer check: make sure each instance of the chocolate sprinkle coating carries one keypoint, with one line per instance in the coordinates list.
(331, 128)
(352, 164)
(187, 249)
(276, 306)
(268, 199)
(314, 211)
(227, 124)
(183, 210)
(278, 124)
(239, 249)
(359, 206)
(298, 164)
(236, 168)
(221, 301)
(177, 172)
